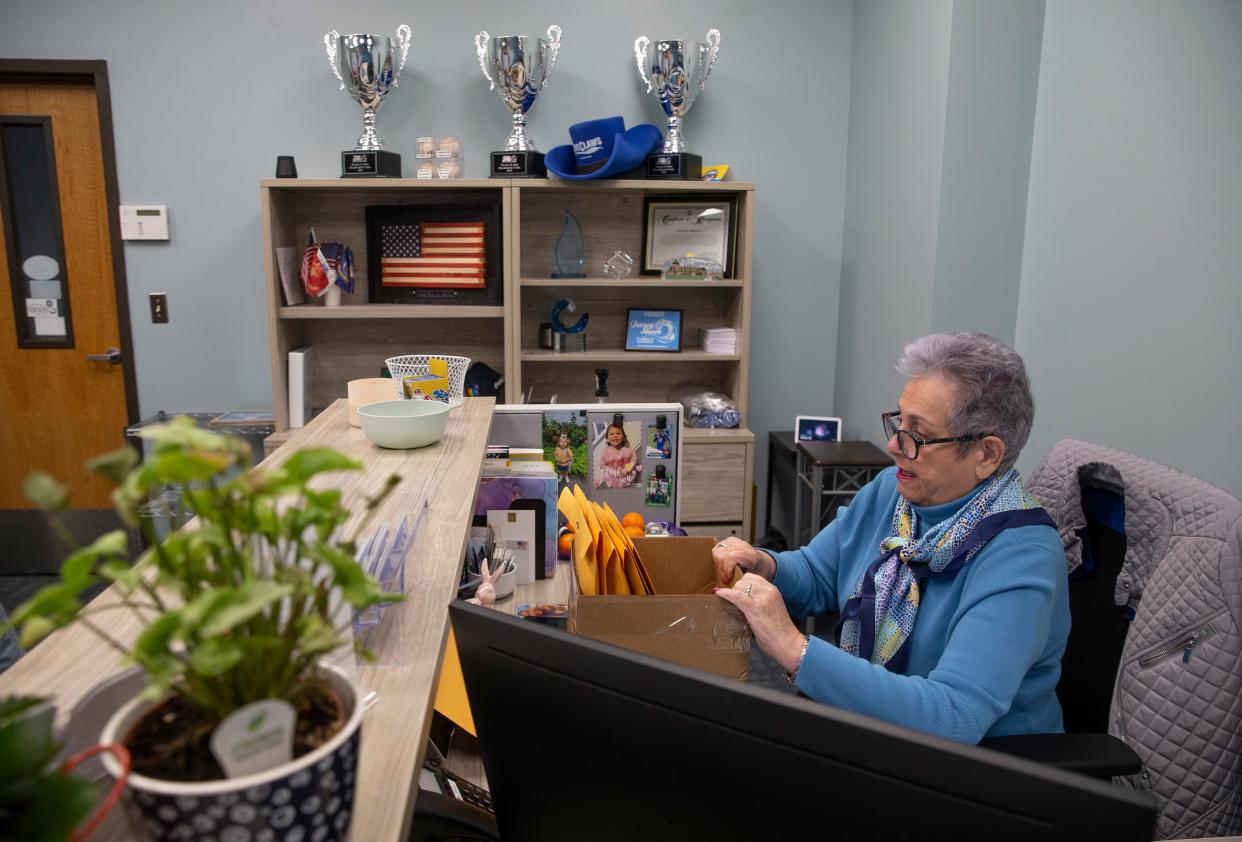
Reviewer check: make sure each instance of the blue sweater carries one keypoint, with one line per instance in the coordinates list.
(985, 654)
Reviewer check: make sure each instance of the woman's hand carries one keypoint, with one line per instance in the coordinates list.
(734, 554)
(764, 608)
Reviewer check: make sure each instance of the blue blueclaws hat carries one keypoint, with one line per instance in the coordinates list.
(602, 148)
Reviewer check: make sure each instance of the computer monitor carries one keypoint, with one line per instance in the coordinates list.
(583, 740)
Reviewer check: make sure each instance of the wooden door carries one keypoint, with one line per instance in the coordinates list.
(59, 406)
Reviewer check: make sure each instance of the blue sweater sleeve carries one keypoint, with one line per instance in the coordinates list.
(807, 577)
(1010, 592)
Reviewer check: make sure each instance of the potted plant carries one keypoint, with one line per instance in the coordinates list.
(238, 611)
(40, 802)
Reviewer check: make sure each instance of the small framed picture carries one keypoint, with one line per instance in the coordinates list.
(653, 330)
(678, 227)
(817, 428)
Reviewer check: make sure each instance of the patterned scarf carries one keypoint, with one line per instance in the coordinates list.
(879, 615)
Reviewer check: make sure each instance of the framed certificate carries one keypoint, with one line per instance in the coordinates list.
(653, 330)
(680, 226)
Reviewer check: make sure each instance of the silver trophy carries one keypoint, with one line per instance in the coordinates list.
(676, 70)
(518, 66)
(363, 64)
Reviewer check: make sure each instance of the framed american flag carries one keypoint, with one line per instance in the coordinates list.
(434, 254)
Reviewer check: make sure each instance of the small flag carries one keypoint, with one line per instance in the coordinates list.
(316, 274)
(434, 254)
(340, 258)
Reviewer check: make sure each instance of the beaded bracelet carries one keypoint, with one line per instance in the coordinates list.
(792, 677)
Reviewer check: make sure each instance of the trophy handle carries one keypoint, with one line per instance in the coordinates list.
(713, 46)
(554, 38)
(403, 41)
(480, 47)
(329, 43)
(640, 55)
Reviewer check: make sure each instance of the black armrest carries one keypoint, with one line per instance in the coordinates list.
(1097, 755)
(438, 816)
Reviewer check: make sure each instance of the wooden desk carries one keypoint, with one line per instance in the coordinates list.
(848, 466)
(394, 734)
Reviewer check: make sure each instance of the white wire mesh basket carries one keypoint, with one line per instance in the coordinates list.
(409, 364)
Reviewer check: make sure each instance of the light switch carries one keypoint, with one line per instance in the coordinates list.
(144, 222)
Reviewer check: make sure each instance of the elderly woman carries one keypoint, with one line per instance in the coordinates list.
(949, 579)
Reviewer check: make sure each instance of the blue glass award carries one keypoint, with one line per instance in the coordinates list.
(569, 253)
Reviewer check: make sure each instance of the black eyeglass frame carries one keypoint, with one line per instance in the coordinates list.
(891, 429)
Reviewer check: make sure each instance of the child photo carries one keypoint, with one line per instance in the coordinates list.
(565, 444)
(616, 463)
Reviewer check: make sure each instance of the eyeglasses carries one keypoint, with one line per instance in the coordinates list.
(908, 443)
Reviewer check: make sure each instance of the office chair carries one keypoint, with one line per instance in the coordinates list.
(442, 818)
(1098, 629)
(1175, 602)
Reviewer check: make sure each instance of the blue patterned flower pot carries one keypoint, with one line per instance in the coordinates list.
(310, 799)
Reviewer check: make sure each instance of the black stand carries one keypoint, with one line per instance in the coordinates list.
(370, 163)
(528, 164)
(676, 166)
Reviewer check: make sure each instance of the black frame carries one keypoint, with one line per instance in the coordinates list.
(446, 209)
(94, 72)
(729, 199)
(681, 330)
(8, 215)
(886, 418)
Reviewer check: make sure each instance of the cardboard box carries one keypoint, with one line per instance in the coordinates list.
(684, 622)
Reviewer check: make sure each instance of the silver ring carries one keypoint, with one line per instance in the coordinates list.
(749, 585)
(718, 546)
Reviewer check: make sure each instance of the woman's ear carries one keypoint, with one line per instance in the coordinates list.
(991, 453)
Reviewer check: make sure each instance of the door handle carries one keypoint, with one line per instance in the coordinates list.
(112, 355)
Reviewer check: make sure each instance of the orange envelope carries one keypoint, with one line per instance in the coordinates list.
(582, 548)
(635, 570)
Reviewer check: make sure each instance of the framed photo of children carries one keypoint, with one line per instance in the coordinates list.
(676, 227)
(653, 330)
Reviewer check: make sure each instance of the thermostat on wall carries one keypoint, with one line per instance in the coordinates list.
(144, 222)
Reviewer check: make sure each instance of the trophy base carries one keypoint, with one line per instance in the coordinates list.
(561, 343)
(567, 274)
(370, 163)
(528, 164)
(677, 166)
(569, 343)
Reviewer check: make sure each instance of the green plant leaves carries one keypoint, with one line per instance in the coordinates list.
(312, 461)
(254, 575)
(26, 743)
(240, 605)
(213, 657)
(114, 465)
(37, 804)
(45, 492)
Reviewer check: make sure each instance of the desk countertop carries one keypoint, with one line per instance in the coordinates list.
(71, 662)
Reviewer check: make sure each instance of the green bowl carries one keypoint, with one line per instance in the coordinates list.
(401, 425)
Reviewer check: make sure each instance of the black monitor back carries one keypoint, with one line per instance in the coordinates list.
(585, 741)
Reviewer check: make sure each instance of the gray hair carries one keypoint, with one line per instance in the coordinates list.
(993, 390)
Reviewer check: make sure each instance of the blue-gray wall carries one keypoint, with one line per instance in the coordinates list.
(942, 103)
(1117, 277)
(1131, 292)
(206, 95)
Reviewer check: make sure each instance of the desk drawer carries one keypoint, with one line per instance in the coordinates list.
(713, 483)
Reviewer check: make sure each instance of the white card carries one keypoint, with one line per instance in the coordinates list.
(516, 525)
(42, 307)
(255, 738)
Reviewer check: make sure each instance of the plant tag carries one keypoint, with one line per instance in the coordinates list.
(255, 738)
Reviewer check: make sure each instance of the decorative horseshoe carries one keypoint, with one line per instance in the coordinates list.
(567, 304)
